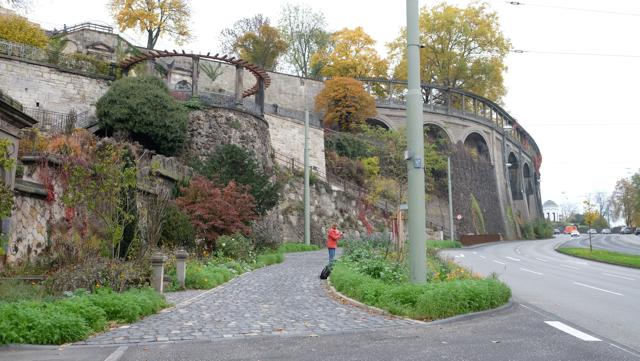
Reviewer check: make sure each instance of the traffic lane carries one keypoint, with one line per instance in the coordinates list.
(519, 334)
(581, 294)
(623, 243)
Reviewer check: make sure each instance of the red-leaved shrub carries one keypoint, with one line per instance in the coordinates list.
(215, 211)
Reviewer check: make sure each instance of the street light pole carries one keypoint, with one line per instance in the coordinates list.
(451, 234)
(307, 201)
(415, 152)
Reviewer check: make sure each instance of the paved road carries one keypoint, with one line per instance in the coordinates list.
(624, 243)
(283, 312)
(600, 298)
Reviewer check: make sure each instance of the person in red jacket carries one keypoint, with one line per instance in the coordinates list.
(332, 241)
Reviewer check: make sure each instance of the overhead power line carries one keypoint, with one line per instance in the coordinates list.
(599, 11)
(547, 52)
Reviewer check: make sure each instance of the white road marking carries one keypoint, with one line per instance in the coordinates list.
(513, 259)
(618, 276)
(575, 268)
(459, 256)
(625, 350)
(540, 259)
(596, 288)
(572, 331)
(499, 262)
(117, 354)
(528, 270)
(483, 257)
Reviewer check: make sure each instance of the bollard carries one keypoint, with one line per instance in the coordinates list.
(157, 278)
(181, 266)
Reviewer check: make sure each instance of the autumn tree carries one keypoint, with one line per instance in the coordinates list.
(18, 29)
(153, 17)
(351, 54)
(345, 103)
(229, 36)
(262, 47)
(463, 48)
(626, 200)
(215, 211)
(303, 30)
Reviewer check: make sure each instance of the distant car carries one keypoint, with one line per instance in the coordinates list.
(556, 231)
(626, 230)
(575, 234)
(592, 231)
(605, 231)
(637, 231)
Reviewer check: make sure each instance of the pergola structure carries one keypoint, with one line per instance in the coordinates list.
(262, 77)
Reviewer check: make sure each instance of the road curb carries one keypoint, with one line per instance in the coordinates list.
(375, 310)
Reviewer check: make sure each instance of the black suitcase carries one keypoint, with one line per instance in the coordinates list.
(326, 271)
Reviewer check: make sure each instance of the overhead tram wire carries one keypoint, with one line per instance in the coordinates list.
(546, 52)
(598, 11)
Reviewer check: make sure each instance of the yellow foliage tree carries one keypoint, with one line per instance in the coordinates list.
(345, 103)
(351, 54)
(262, 47)
(155, 17)
(463, 48)
(19, 30)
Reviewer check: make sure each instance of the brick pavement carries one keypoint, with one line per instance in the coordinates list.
(283, 299)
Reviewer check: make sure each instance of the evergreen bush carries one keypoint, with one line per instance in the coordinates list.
(143, 108)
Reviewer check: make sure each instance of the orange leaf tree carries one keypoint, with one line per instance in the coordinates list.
(214, 211)
(345, 103)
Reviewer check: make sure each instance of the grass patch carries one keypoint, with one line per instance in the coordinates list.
(18, 290)
(443, 244)
(297, 247)
(428, 301)
(73, 318)
(207, 274)
(621, 259)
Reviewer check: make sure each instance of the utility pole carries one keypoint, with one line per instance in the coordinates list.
(307, 201)
(451, 234)
(415, 152)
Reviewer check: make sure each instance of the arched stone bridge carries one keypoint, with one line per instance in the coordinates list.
(481, 127)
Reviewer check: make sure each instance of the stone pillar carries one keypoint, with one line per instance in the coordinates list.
(195, 74)
(181, 266)
(260, 95)
(238, 85)
(157, 276)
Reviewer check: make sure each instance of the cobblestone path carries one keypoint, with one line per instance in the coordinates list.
(283, 299)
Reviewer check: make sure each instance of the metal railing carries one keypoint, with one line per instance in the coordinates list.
(56, 122)
(56, 59)
(82, 26)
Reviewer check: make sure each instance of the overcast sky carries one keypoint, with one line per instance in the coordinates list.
(581, 110)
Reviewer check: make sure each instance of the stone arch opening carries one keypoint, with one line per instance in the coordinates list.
(477, 147)
(183, 85)
(514, 177)
(437, 136)
(528, 179)
(374, 122)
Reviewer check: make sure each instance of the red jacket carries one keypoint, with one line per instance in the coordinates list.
(333, 237)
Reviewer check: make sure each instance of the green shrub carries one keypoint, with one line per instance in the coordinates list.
(297, 247)
(17, 290)
(347, 145)
(177, 230)
(231, 162)
(423, 301)
(235, 246)
(143, 107)
(443, 244)
(128, 306)
(542, 229)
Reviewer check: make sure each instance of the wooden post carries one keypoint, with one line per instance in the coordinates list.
(238, 85)
(195, 74)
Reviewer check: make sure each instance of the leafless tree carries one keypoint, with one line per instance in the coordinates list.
(303, 30)
(229, 36)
